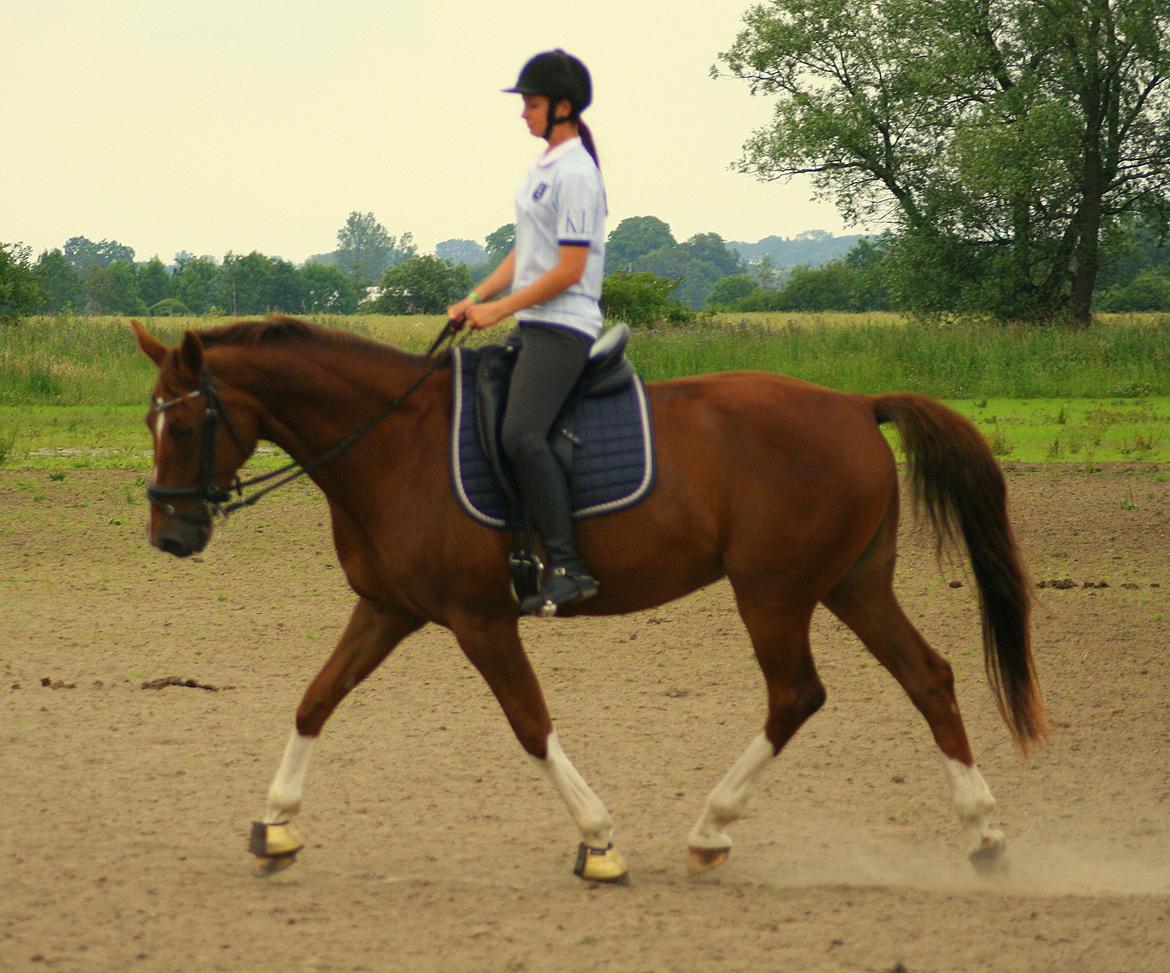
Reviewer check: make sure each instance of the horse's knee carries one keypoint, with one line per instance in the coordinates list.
(788, 710)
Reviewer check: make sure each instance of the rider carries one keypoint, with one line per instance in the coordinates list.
(554, 270)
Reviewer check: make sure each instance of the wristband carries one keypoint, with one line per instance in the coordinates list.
(474, 297)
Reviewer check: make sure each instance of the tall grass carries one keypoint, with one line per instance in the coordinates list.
(94, 361)
(960, 360)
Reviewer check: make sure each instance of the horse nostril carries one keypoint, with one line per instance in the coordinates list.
(173, 546)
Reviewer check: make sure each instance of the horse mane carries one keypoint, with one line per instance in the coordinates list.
(280, 329)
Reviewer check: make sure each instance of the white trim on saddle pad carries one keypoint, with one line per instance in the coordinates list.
(600, 508)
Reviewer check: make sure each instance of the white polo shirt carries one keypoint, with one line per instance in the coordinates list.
(562, 203)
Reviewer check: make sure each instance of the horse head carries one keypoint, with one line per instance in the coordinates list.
(202, 435)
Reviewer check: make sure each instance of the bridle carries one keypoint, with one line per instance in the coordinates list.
(215, 498)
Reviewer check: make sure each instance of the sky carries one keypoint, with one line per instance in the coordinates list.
(216, 126)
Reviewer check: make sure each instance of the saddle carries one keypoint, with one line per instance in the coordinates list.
(601, 438)
(607, 372)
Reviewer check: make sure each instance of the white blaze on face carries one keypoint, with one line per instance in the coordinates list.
(159, 422)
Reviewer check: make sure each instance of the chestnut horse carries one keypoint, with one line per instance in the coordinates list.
(786, 488)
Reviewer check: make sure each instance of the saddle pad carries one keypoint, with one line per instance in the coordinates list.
(613, 465)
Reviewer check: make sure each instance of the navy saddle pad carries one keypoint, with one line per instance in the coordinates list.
(613, 450)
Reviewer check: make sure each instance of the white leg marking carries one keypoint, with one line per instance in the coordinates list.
(592, 817)
(973, 802)
(288, 787)
(728, 801)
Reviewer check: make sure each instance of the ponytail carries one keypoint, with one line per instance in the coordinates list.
(587, 141)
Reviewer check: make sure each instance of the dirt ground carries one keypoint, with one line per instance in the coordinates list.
(435, 845)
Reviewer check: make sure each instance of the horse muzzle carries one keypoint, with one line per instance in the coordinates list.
(182, 538)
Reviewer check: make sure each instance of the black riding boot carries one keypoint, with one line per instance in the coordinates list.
(546, 497)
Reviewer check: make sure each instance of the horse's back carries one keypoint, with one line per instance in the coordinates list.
(757, 420)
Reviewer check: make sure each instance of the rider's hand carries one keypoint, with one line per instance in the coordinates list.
(458, 310)
(484, 315)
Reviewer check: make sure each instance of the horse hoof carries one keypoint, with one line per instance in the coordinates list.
(263, 867)
(989, 857)
(275, 847)
(702, 860)
(601, 864)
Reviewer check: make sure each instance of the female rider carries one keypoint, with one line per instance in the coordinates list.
(554, 270)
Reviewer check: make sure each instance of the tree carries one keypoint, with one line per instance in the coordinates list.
(640, 298)
(461, 252)
(247, 283)
(19, 290)
(731, 289)
(327, 290)
(998, 138)
(365, 249)
(695, 265)
(634, 237)
(154, 282)
(84, 254)
(113, 289)
(422, 285)
(197, 283)
(500, 242)
(60, 282)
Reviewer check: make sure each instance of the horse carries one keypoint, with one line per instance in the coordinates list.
(786, 488)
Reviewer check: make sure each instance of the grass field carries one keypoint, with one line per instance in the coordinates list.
(72, 390)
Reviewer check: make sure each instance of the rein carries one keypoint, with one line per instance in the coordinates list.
(215, 498)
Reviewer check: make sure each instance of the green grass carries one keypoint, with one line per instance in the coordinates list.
(56, 438)
(73, 390)
(951, 362)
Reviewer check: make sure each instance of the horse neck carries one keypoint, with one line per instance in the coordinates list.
(310, 397)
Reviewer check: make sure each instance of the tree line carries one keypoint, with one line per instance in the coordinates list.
(649, 276)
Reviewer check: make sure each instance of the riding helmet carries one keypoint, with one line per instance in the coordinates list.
(558, 75)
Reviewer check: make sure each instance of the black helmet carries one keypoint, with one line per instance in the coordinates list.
(558, 75)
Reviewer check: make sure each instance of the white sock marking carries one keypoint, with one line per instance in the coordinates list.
(288, 787)
(727, 802)
(973, 803)
(589, 813)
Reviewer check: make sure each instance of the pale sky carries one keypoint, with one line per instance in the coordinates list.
(209, 125)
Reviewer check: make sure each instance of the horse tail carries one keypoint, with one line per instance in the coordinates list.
(955, 477)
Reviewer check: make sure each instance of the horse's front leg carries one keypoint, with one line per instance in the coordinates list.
(494, 648)
(370, 636)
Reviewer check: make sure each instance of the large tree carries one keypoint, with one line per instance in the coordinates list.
(84, 254)
(422, 285)
(60, 282)
(999, 138)
(365, 248)
(634, 237)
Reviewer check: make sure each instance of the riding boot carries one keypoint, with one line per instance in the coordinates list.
(546, 496)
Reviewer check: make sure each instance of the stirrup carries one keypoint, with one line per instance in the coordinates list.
(563, 586)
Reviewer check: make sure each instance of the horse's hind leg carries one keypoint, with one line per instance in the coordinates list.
(370, 636)
(865, 601)
(494, 648)
(779, 635)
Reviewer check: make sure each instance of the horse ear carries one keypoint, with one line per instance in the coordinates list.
(191, 354)
(154, 349)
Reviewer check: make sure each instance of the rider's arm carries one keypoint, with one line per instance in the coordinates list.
(569, 269)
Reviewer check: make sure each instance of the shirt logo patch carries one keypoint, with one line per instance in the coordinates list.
(539, 191)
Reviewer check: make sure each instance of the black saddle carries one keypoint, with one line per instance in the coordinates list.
(607, 372)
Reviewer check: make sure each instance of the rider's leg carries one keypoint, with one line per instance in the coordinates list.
(551, 360)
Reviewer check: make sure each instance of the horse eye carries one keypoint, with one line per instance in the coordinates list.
(181, 432)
